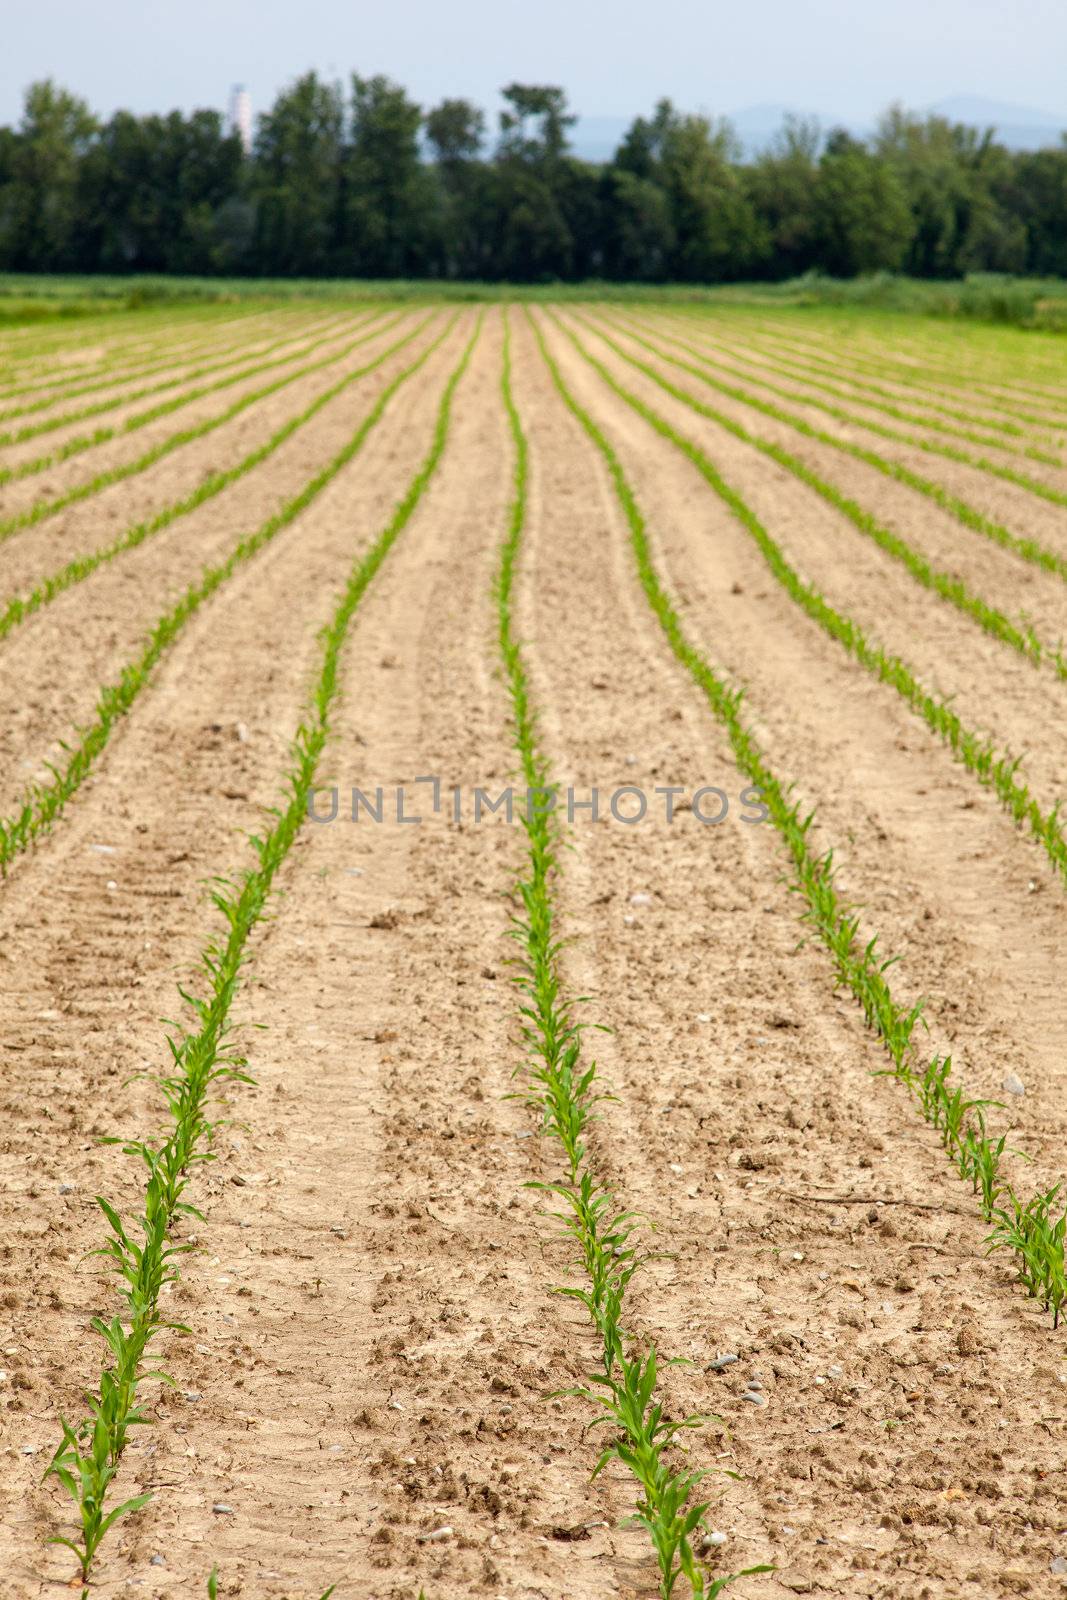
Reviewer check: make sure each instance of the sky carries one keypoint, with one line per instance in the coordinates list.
(839, 58)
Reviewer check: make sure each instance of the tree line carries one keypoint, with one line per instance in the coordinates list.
(366, 183)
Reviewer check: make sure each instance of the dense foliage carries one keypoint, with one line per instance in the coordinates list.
(369, 185)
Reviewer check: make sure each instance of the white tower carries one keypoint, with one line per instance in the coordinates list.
(241, 115)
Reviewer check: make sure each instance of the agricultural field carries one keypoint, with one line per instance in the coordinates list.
(533, 896)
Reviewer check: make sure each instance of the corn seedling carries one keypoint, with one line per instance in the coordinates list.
(203, 1062)
(564, 1092)
(46, 801)
(19, 607)
(1029, 550)
(996, 772)
(1037, 1241)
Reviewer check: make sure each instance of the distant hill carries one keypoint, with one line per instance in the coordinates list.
(1019, 127)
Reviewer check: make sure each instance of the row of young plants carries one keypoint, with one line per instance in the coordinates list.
(973, 751)
(1024, 640)
(803, 359)
(45, 801)
(931, 447)
(920, 373)
(144, 1252)
(19, 607)
(67, 382)
(751, 355)
(89, 487)
(180, 373)
(1028, 1228)
(1027, 549)
(563, 1089)
(122, 348)
(264, 361)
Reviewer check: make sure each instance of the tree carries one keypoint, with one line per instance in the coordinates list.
(297, 177)
(534, 128)
(781, 185)
(534, 241)
(717, 234)
(39, 211)
(455, 132)
(388, 200)
(152, 192)
(862, 220)
(638, 235)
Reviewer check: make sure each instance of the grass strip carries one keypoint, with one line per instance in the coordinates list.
(142, 1252)
(45, 801)
(1028, 550)
(563, 1090)
(19, 607)
(43, 509)
(227, 358)
(1027, 1228)
(951, 589)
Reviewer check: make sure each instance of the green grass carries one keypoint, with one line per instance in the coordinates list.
(46, 801)
(1026, 1228)
(142, 1251)
(1016, 303)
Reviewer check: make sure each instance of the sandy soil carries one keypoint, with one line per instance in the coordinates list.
(373, 1329)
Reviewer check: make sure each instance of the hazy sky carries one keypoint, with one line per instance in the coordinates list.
(615, 57)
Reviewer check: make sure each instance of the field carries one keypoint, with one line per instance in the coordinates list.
(731, 1117)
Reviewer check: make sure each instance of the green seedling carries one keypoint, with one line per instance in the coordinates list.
(46, 801)
(143, 1257)
(563, 1091)
(1026, 1228)
(971, 749)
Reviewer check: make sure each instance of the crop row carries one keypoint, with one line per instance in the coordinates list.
(995, 469)
(749, 354)
(46, 800)
(69, 383)
(143, 1251)
(806, 358)
(997, 771)
(178, 374)
(49, 507)
(1029, 1228)
(1029, 550)
(1008, 392)
(563, 1089)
